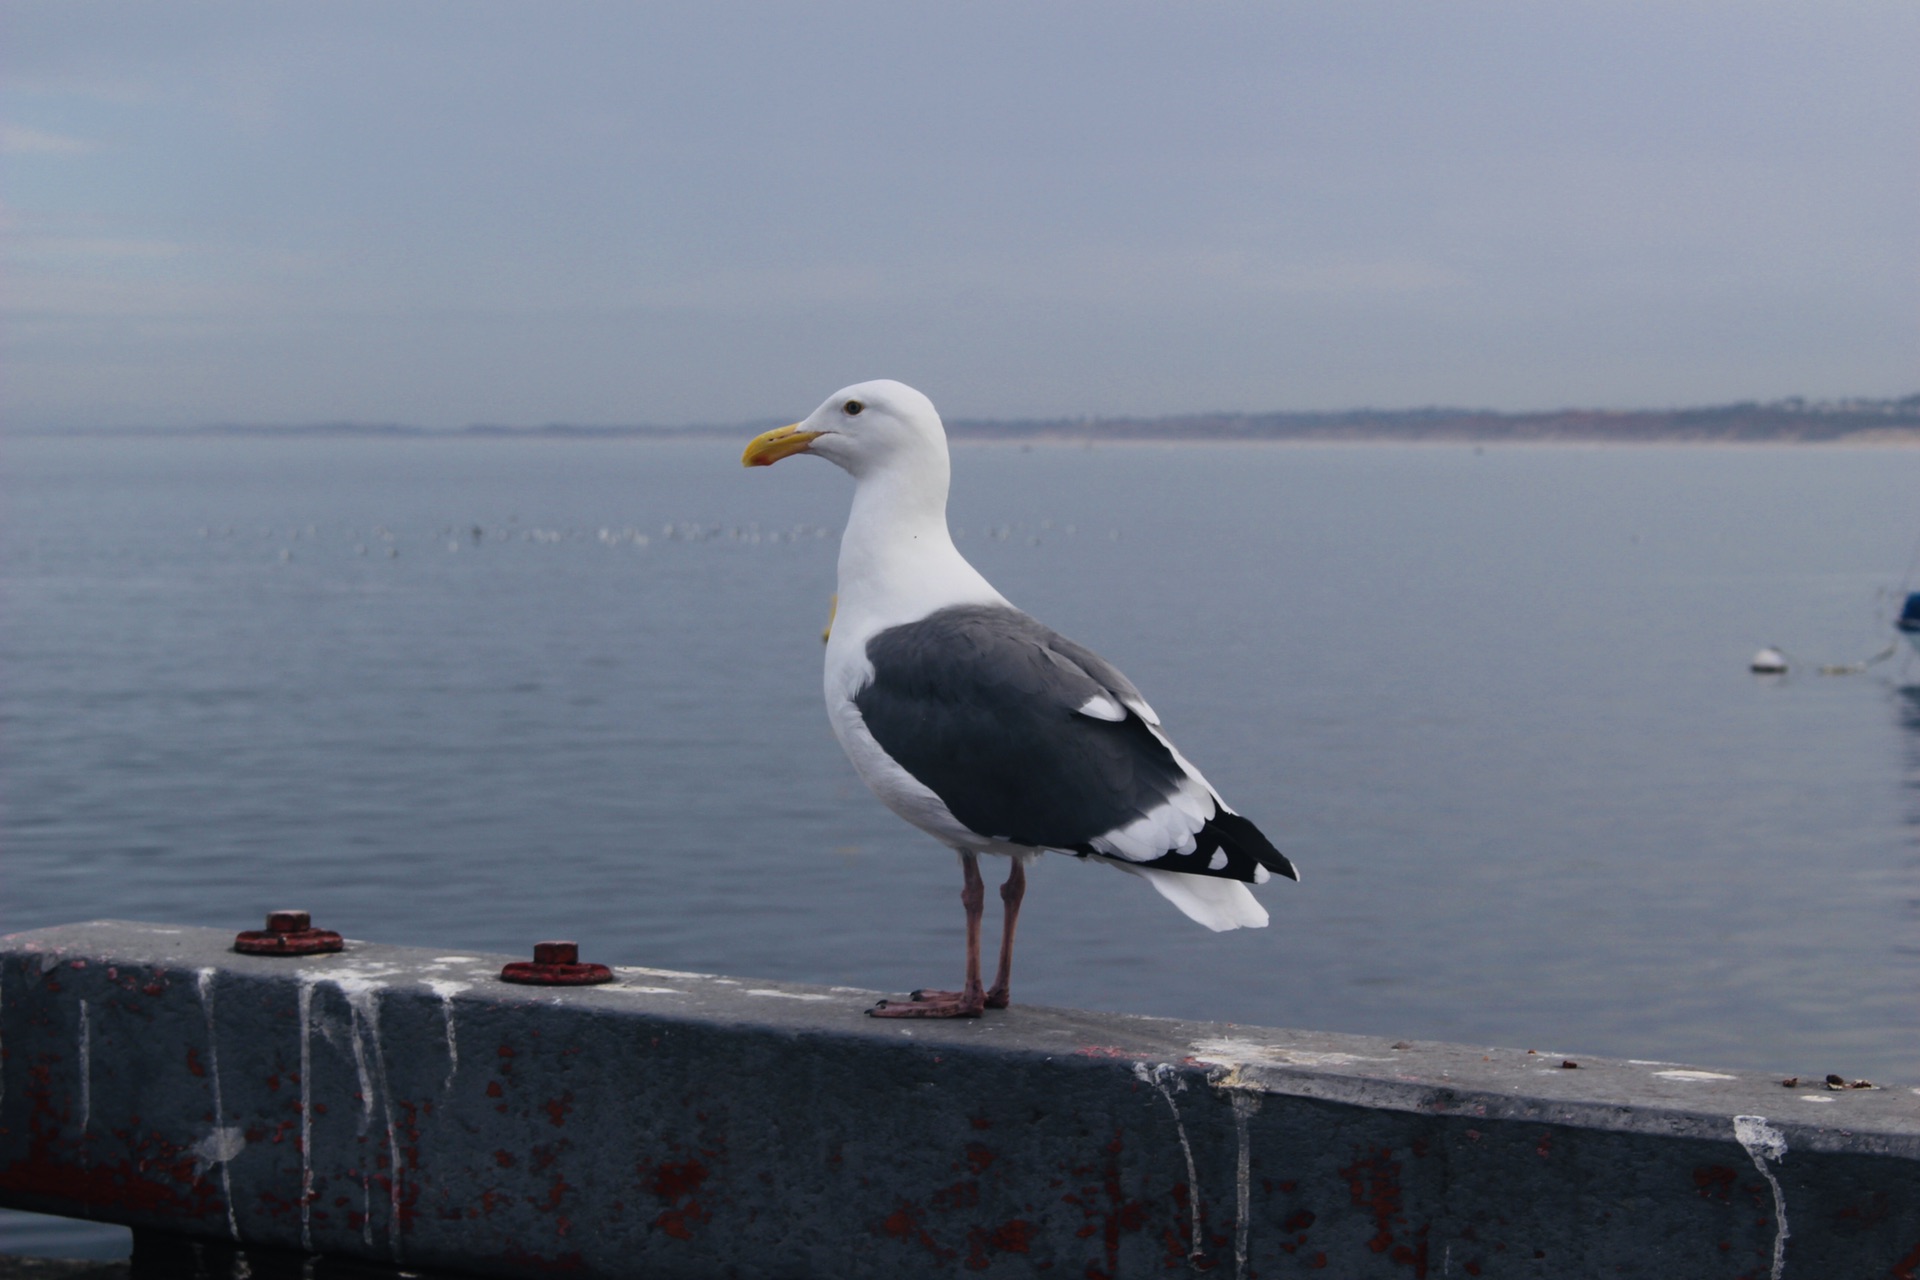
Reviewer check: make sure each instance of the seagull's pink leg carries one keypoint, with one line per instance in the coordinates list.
(1010, 894)
(967, 1003)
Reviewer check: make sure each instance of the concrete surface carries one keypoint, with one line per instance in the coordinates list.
(406, 1108)
(12, 1268)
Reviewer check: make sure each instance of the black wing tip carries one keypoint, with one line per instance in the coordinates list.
(1252, 841)
(1243, 852)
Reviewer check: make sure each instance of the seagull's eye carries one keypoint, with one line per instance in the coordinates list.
(851, 408)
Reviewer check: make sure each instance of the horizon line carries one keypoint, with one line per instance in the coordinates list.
(1865, 411)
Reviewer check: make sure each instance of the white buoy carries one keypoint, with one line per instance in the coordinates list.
(1769, 662)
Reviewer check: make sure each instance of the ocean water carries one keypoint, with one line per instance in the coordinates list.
(1493, 702)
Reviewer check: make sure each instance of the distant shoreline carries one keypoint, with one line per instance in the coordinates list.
(1858, 422)
(1862, 440)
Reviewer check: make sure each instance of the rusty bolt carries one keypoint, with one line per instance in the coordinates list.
(556, 964)
(288, 933)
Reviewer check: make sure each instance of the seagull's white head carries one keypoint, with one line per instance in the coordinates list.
(862, 429)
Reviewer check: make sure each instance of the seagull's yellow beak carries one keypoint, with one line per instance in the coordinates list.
(769, 447)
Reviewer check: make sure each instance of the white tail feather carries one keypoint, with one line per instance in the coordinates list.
(1217, 903)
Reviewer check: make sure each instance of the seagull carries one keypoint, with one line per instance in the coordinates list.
(980, 725)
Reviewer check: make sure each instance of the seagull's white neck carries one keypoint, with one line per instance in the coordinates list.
(897, 558)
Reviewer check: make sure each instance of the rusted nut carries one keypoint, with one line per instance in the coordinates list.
(288, 933)
(556, 964)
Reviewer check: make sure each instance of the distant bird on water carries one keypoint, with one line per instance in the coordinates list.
(978, 724)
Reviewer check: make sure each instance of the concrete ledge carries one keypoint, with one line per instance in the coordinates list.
(12, 1268)
(407, 1108)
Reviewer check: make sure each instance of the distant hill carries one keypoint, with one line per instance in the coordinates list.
(1792, 420)
(1779, 421)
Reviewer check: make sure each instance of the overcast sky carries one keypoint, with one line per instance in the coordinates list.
(615, 213)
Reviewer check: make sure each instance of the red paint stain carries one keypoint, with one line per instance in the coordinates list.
(407, 1130)
(679, 1223)
(193, 1063)
(1908, 1268)
(677, 1183)
(1014, 1236)
(903, 1224)
(672, 1181)
(1299, 1221)
(404, 1197)
(1177, 1237)
(981, 1123)
(278, 1206)
(556, 1190)
(494, 1090)
(1414, 1255)
(1876, 1210)
(504, 1159)
(53, 1164)
(979, 1158)
(1373, 1182)
(961, 1195)
(557, 1109)
(1116, 1217)
(122, 1184)
(1714, 1182)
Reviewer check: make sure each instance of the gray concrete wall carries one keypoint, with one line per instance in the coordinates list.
(406, 1107)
